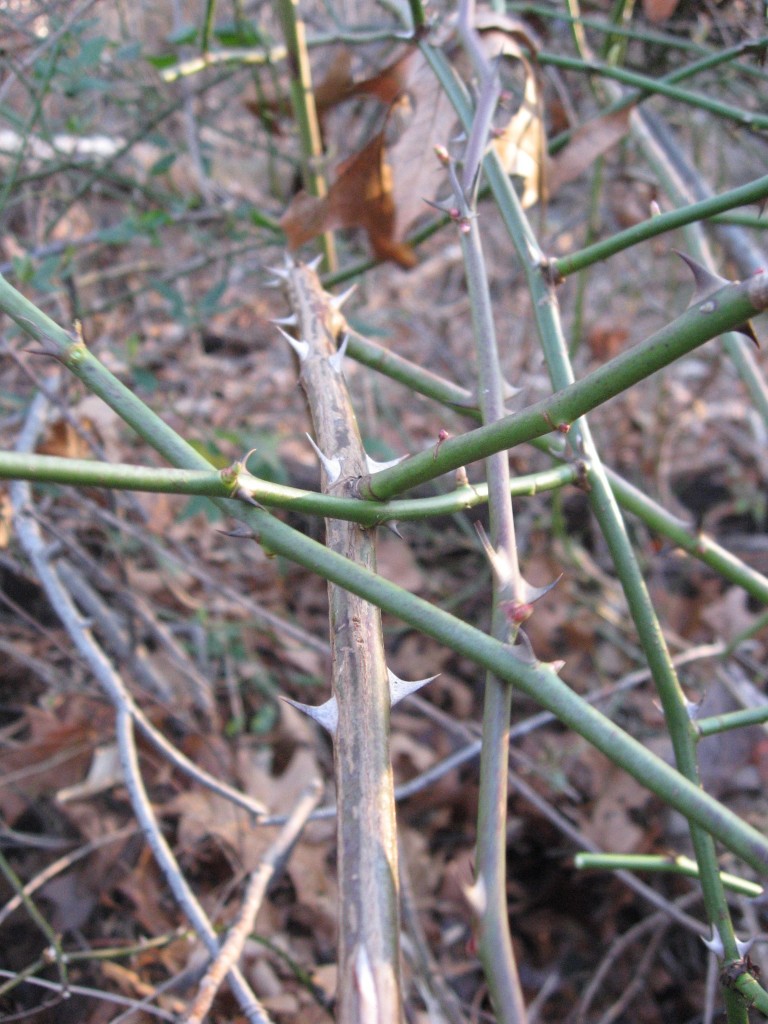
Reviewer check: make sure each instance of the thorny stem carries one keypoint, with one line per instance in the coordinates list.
(224, 484)
(754, 192)
(676, 864)
(641, 608)
(608, 516)
(369, 989)
(494, 940)
(726, 309)
(659, 86)
(537, 680)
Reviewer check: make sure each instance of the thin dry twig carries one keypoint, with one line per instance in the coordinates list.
(31, 540)
(232, 946)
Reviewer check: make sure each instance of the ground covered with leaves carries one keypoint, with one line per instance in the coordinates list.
(156, 237)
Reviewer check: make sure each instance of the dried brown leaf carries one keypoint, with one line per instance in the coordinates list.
(657, 11)
(522, 144)
(382, 188)
(587, 143)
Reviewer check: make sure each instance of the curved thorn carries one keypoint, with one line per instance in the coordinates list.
(500, 567)
(476, 896)
(331, 466)
(376, 467)
(748, 331)
(326, 714)
(523, 649)
(399, 688)
(531, 593)
(337, 359)
(301, 348)
(507, 390)
(714, 944)
(704, 280)
(337, 301)
(245, 496)
(281, 273)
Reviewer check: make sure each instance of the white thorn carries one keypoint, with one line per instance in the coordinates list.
(523, 649)
(692, 709)
(531, 593)
(399, 688)
(337, 359)
(337, 301)
(477, 896)
(332, 466)
(376, 467)
(502, 571)
(507, 390)
(314, 263)
(326, 714)
(301, 348)
(534, 252)
(744, 947)
(281, 273)
(366, 986)
(715, 944)
(286, 321)
(706, 283)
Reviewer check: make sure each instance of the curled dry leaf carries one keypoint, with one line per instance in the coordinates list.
(521, 142)
(382, 188)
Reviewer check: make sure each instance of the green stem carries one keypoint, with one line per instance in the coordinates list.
(727, 308)
(537, 680)
(222, 484)
(305, 111)
(673, 865)
(656, 86)
(732, 720)
(494, 938)
(609, 518)
(754, 192)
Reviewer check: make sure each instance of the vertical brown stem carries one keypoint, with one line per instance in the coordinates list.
(369, 955)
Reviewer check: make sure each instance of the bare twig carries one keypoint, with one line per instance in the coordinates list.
(232, 946)
(31, 539)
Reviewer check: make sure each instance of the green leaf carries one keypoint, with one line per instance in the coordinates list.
(238, 33)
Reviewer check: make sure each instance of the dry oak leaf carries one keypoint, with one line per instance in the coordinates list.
(521, 143)
(383, 187)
